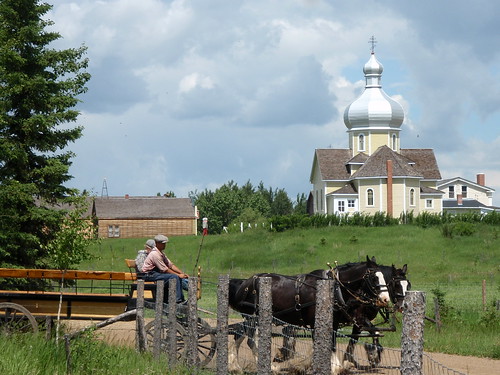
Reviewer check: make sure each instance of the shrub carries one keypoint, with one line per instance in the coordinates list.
(464, 229)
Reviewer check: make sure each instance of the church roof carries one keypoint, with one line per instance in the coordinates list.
(429, 190)
(332, 163)
(346, 189)
(417, 163)
(425, 162)
(360, 158)
(376, 165)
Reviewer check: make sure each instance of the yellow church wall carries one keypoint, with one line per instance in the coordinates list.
(377, 140)
(398, 197)
(378, 193)
(317, 192)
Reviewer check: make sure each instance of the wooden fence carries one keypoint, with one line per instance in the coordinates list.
(324, 361)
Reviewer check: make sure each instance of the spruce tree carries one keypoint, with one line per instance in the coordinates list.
(39, 89)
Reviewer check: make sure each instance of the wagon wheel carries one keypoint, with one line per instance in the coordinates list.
(180, 334)
(15, 318)
(206, 340)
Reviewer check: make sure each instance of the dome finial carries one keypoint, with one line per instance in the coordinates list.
(373, 41)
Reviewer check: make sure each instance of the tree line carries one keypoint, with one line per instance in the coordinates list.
(231, 204)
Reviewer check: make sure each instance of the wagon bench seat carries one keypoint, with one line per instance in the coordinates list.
(68, 275)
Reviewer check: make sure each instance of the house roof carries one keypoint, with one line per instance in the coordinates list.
(462, 180)
(142, 208)
(466, 203)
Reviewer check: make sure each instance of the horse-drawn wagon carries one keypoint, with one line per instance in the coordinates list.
(39, 294)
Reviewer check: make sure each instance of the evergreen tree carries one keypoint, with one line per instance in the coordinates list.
(39, 87)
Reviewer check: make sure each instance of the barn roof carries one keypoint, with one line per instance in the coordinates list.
(142, 208)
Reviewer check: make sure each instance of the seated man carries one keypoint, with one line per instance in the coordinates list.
(158, 267)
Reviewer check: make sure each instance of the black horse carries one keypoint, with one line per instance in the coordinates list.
(362, 317)
(294, 297)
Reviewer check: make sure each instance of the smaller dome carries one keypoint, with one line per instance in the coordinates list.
(373, 67)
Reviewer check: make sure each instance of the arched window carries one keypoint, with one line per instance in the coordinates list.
(394, 139)
(412, 197)
(361, 139)
(369, 197)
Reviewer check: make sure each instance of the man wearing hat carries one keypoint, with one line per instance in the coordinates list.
(158, 267)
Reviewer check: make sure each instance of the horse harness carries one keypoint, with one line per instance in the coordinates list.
(300, 281)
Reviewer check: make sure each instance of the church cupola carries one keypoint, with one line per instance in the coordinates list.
(373, 119)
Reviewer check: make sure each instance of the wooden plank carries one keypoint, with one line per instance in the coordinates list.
(68, 275)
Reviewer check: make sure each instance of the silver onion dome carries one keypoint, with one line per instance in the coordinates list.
(374, 109)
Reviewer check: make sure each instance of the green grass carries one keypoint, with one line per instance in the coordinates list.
(87, 356)
(454, 267)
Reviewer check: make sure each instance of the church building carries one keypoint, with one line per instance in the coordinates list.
(374, 174)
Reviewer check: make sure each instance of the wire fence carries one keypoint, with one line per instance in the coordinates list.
(355, 356)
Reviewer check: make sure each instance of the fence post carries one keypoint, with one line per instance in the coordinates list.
(172, 323)
(141, 332)
(222, 324)
(323, 328)
(192, 358)
(412, 333)
(264, 326)
(484, 295)
(158, 318)
(437, 315)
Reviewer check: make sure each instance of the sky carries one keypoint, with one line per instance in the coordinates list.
(189, 95)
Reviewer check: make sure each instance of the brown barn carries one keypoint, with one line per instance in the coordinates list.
(141, 217)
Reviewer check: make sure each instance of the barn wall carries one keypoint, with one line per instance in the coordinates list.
(142, 228)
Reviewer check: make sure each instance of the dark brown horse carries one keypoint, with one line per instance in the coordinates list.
(294, 297)
(397, 285)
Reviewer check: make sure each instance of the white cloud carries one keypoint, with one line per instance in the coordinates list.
(206, 92)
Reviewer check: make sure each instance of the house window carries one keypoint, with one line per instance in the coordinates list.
(113, 231)
(429, 203)
(412, 197)
(451, 192)
(394, 142)
(464, 191)
(369, 197)
(361, 138)
(350, 203)
(341, 206)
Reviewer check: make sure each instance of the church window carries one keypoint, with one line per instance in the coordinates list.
(341, 206)
(369, 197)
(412, 197)
(464, 191)
(361, 139)
(394, 142)
(451, 192)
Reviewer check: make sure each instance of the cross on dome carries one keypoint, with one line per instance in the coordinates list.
(373, 41)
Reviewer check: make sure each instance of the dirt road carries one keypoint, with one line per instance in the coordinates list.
(123, 333)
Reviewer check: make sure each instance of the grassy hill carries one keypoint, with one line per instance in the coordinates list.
(449, 269)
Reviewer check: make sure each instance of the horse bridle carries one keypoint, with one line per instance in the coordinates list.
(395, 295)
(373, 288)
